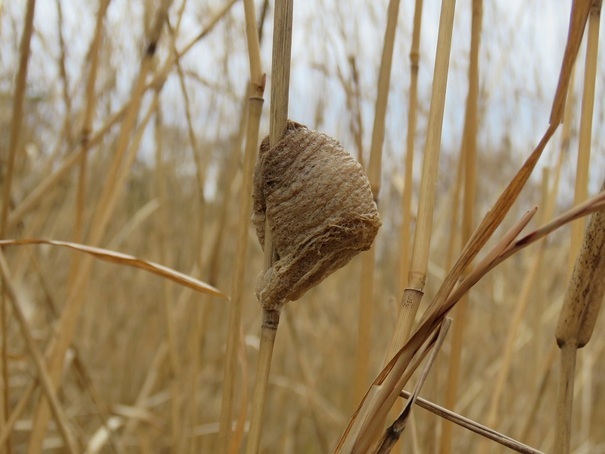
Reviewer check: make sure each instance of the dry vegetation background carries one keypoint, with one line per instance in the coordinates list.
(144, 368)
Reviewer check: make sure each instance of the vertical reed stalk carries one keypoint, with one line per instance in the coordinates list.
(408, 189)
(383, 396)
(84, 142)
(585, 133)
(280, 85)
(422, 239)
(255, 105)
(469, 144)
(17, 118)
(15, 134)
(366, 296)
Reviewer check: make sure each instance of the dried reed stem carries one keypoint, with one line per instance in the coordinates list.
(406, 213)
(91, 103)
(280, 86)
(255, 105)
(378, 404)
(9, 165)
(17, 118)
(419, 261)
(585, 132)
(469, 145)
(366, 294)
(472, 425)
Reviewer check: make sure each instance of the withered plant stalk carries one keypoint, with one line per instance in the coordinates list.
(469, 156)
(255, 105)
(368, 259)
(280, 86)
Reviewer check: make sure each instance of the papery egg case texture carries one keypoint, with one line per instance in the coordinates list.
(320, 209)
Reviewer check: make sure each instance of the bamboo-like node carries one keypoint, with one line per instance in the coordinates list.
(319, 206)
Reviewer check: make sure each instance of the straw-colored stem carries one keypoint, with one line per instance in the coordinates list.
(419, 261)
(15, 133)
(267, 341)
(366, 296)
(364, 326)
(255, 104)
(473, 426)
(577, 23)
(385, 398)
(280, 87)
(408, 188)
(585, 133)
(17, 109)
(565, 399)
(469, 156)
(67, 119)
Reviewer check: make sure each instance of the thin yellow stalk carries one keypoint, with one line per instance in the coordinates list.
(469, 144)
(369, 407)
(419, 260)
(123, 159)
(472, 425)
(15, 133)
(366, 292)
(84, 143)
(197, 332)
(255, 105)
(174, 362)
(91, 99)
(577, 23)
(17, 119)
(408, 186)
(280, 85)
(585, 133)
(67, 121)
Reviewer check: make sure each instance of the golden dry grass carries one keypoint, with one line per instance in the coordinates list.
(148, 153)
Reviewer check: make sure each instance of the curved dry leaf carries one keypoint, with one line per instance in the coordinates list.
(124, 259)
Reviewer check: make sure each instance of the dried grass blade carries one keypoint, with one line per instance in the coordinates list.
(124, 259)
(473, 426)
(580, 10)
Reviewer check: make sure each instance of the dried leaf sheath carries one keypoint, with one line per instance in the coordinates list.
(319, 207)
